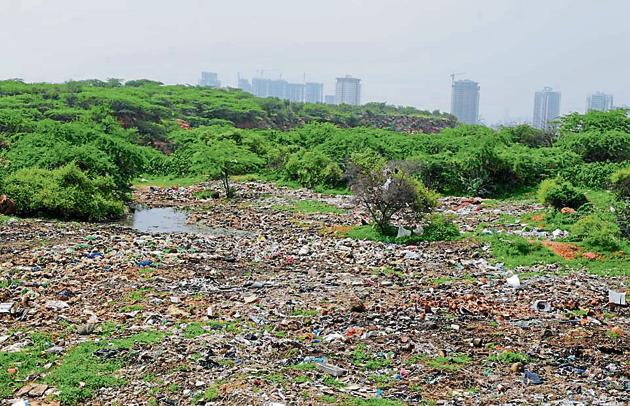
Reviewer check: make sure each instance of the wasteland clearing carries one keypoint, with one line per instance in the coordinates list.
(280, 306)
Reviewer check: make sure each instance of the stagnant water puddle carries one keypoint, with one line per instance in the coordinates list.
(171, 220)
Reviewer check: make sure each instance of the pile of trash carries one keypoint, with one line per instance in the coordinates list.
(275, 311)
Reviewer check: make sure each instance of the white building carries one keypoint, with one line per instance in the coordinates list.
(546, 108)
(465, 101)
(348, 91)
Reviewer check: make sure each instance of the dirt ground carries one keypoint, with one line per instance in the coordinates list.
(279, 309)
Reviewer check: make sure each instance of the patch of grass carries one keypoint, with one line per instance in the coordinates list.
(328, 399)
(132, 308)
(355, 401)
(440, 228)
(514, 251)
(382, 381)
(443, 280)
(390, 271)
(29, 361)
(362, 358)
(333, 382)
(194, 329)
(304, 366)
(301, 379)
(209, 395)
(275, 378)
(310, 207)
(81, 373)
(509, 357)
(451, 363)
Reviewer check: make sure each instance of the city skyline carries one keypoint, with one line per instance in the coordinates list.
(401, 63)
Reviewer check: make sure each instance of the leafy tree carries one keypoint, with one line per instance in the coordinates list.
(223, 159)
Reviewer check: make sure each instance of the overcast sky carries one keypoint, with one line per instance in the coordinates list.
(403, 50)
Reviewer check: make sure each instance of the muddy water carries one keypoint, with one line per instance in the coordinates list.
(170, 220)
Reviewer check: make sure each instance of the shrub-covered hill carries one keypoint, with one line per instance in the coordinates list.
(72, 150)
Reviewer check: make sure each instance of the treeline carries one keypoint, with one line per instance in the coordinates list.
(72, 150)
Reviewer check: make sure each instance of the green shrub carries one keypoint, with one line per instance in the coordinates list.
(595, 146)
(66, 193)
(440, 228)
(620, 182)
(312, 168)
(559, 194)
(593, 175)
(622, 215)
(597, 232)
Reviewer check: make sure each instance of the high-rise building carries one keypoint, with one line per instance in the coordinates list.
(599, 101)
(313, 92)
(209, 79)
(244, 85)
(278, 88)
(260, 87)
(546, 108)
(465, 101)
(348, 91)
(329, 99)
(295, 92)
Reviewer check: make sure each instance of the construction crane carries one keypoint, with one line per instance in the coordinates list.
(455, 74)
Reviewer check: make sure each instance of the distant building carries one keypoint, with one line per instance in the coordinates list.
(546, 108)
(278, 88)
(599, 101)
(244, 85)
(260, 87)
(295, 92)
(209, 79)
(313, 92)
(465, 101)
(329, 99)
(348, 91)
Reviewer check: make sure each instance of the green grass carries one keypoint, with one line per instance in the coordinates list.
(194, 329)
(440, 228)
(449, 364)
(4, 219)
(301, 379)
(371, 362)
(209, 395)
(169, 181)
(514, 251)
(333, 382)
(310, 207)
(304, 366)
(29, 361)
(509, 357)
(81, 373)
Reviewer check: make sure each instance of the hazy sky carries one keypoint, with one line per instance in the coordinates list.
(403, 50)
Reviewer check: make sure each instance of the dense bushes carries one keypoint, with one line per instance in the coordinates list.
(66, 193)
(559, 194)
(597, 232)
(593, 146)
(620, 182)
(100, 126)
(312, 168)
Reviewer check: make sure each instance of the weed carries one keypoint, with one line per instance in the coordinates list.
(509, 357)
(333, 382)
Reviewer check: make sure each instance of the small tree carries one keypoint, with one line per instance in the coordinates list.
(223, 159)
(386, 189)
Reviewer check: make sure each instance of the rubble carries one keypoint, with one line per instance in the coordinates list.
(276, 310)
